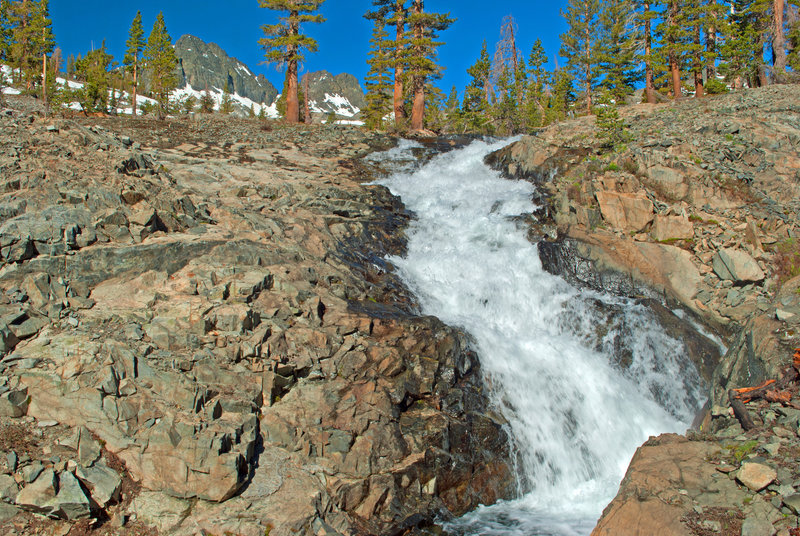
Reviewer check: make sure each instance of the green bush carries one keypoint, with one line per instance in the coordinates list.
(715, 86)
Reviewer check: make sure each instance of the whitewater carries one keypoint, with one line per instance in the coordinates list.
(550, 353)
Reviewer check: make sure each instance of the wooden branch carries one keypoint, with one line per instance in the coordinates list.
(740, 411)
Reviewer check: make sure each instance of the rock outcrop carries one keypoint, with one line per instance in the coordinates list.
(701, 210)
(200, 335)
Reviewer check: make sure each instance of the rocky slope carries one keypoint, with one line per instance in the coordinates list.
(700, 209)
(199, 336)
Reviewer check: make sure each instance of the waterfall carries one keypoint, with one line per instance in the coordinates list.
(582, 378)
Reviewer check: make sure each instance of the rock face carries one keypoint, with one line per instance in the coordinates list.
(206, 66)
(205, 337)
(700, 211)
(340, 94)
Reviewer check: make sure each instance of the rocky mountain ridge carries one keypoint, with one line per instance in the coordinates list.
(699, 209)
(205, 66)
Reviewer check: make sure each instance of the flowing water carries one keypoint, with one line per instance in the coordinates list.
(582, 378)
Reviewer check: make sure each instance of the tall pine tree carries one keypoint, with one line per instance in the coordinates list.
(421, 52)
(538, 79)
(284, 44)
(476, 96)
(580, 45)
(5, 31)
(394, 13)
(617, 48)
(135, 45)
(161, 61)
(378, 81)
(93, 70)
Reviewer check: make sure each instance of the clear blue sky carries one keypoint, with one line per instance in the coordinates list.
(235, 25)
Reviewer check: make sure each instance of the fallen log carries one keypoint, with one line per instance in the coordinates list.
(740, 411)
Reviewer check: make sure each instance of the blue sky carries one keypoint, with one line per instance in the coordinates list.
(235, 25)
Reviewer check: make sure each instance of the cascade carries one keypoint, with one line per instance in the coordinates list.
(582, 378)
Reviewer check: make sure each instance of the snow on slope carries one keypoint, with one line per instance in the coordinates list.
(334, 103)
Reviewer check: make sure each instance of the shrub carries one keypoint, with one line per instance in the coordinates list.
(787, 260)
(715, 86)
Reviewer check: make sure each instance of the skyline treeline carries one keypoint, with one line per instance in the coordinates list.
(669, 48)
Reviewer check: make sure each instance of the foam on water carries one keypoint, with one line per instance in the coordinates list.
(581, 387)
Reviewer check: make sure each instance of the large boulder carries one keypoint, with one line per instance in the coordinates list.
(737, 266)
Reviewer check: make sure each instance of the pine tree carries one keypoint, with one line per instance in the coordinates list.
(226, 104)
(378, 81)
(135, 44)
(5, 31)
(476, 96)
(93, 70)
(161, 61)
(674, 37)
(452, 113)
(421, 52)
(284, 44)
(617, 48)
(394, 13)
(561, 98)
(742, 53)
(206, 103)
(44, 40)
(579, 45)
(535, 99)
(644, 17)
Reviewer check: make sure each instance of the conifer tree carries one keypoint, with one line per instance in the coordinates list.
(226, 103)
(452, 112)
(93, 69)
(476, 96)
(674, 36)
(394, 13)
(538, 79)
(206, 103)
(579, 45)
(421, 51)
(617, 48)
(44, 40)
(5, 31)
(561, 98)
(645, 15)
(161, 61)
(135, 45)
(284, 44)
(378, 81)
(742, 53)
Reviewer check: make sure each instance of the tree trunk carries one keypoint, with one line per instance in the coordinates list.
(418, 111)
(44, 79)
(649, 82)
(306, 109)
(698, 64)
(400, 25)
(673, 57)
(588, 64)
(135, 83)
(711, 47)
(778, 41)
(292, 104)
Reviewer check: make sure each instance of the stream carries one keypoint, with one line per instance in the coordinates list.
(582, 378)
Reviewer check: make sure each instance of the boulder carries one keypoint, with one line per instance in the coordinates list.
(671, 228)
(38, 496)
(756, 476)
(669, 182)
(628, 212)
(71, 501)
(103, 483)
(14, 403)
(737, 266)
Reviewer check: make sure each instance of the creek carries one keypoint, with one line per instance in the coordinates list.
(581, 377)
